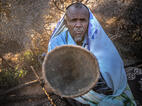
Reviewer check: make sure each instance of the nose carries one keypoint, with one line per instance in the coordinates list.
(78, 24)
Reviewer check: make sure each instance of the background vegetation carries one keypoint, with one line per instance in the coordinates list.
(26, 27)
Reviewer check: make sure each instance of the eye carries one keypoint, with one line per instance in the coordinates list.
(82, 19)
(74, 20)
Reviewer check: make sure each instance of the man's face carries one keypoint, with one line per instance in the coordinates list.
(77, 22)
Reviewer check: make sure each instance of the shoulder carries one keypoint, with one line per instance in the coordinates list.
(59, 38)
(57, 41)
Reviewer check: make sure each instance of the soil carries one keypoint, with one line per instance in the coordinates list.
(122, 21)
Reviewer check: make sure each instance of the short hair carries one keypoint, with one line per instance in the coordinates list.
(77, 5)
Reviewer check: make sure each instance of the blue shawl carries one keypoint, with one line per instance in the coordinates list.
(110, 63)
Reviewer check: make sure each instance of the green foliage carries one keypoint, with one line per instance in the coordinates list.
(27, 57)
(13, 26)
(30, 58)
(9, 77)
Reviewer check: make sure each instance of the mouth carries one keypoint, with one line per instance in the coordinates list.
(78, 32)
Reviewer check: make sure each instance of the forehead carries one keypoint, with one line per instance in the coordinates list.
(77, 12)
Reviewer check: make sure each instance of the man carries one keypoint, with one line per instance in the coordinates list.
(80, 27)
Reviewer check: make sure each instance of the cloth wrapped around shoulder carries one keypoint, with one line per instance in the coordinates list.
(110, 63)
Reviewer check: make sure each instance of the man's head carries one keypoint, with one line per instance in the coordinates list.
(77, 19)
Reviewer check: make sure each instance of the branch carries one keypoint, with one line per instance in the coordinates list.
(3, 59)
(55, 3)
(86, 1)
(136, 64)
(42, 85)
(19, 86)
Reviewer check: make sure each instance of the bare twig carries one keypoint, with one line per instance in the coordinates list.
(19, 86)
(3, 59)
(48, 96)
(136, 64)
(86, 1)
(55, 3)
(35, 73)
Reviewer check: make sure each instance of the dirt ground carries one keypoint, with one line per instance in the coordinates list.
(122, 21)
